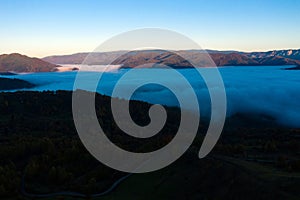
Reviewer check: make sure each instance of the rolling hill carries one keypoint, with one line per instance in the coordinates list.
(20, 63)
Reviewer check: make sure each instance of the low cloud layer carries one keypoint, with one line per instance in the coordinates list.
(257, 90)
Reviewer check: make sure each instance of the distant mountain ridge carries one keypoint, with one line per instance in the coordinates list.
(20, 63)
(290, 54)
(102, 58)
(142, 57)
(151, 58)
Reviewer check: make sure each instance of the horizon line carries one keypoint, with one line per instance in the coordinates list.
(227, 50)
(208, 49)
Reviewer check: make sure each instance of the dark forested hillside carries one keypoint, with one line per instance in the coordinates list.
(41, 154)
(11, 84)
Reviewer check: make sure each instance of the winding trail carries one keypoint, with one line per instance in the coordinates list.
(69, 193)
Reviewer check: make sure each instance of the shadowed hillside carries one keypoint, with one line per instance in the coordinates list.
(11, 84)
(41, 156)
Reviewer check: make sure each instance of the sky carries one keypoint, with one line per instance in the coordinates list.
(54, 27)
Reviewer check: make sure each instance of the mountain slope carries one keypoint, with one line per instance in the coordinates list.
(291, 54)
(232, 59)
(140, 58)
(277, 60)
(101, 58)
(21, 63)
(157, 58)
(66, 59)
(151, 58)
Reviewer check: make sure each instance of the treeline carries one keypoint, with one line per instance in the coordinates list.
(39, 144)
